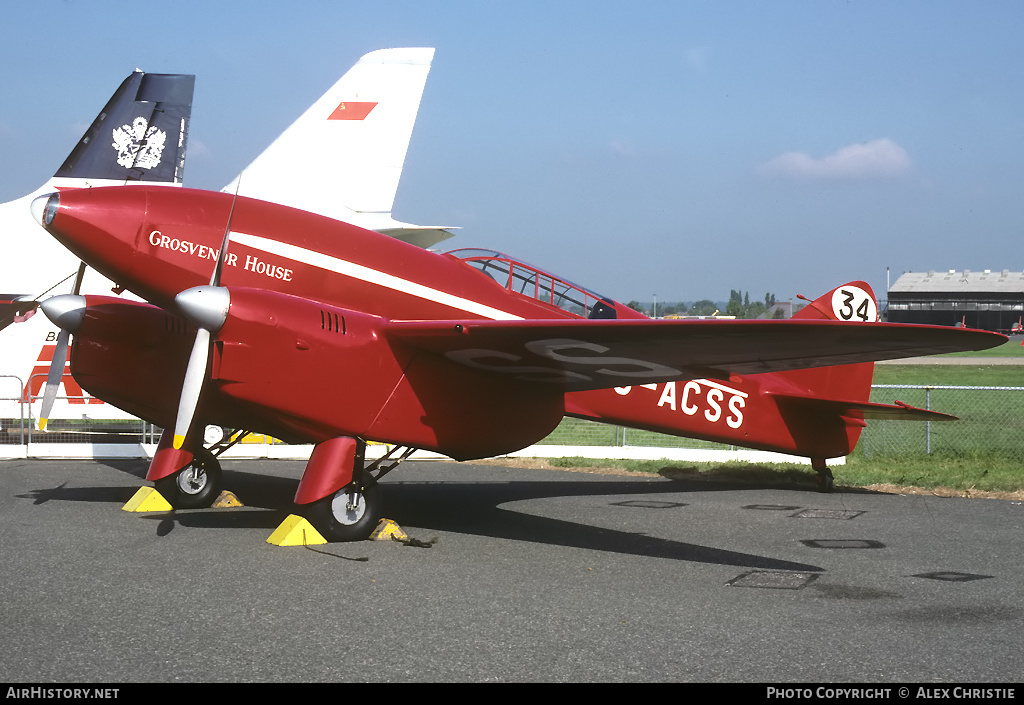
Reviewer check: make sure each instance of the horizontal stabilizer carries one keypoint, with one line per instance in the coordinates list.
(592, 354)
(866, 410)
(425, 237)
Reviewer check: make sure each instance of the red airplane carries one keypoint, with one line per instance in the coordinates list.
(312, 330)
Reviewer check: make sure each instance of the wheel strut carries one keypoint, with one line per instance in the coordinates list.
(378, 469)
(826, 483)
(352, 512)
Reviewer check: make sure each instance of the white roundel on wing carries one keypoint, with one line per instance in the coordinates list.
(851, 303)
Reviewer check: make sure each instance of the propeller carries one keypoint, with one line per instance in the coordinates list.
(60, 354)
(206, 307)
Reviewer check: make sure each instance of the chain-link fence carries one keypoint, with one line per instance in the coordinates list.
(991, 423)
(14, 429)
(578, 432)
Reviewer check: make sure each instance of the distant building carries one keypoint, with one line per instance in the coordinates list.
(783, 309)
(991, 300)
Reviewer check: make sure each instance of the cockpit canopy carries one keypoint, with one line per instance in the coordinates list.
(525, 279)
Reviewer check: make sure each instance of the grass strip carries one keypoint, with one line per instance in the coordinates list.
(956, 475)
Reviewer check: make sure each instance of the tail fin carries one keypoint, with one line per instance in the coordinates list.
(343, 157)
(851, 302)
(140, 135)
(845, 389)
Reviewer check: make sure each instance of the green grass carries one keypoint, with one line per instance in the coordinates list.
(979, 471)
(951, 375)
(1011, 348)
(965, 475)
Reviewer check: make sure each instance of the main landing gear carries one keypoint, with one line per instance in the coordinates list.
(826, 482)
(195, 486)
(198, 483)
(338, 492)
(352, 512)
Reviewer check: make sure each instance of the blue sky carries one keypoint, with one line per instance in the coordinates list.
(677, 149)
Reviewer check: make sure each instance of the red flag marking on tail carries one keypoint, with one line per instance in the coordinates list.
(349, 110)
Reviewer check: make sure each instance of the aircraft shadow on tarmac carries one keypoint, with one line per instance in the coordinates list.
(473, 508)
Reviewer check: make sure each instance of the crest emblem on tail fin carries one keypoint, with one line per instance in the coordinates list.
(138, 144)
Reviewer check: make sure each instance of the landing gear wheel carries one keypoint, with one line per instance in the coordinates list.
(347, 515)
(195, 486)
(826, 483)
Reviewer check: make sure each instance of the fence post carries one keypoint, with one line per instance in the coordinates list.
(928, 423)
(21, 405)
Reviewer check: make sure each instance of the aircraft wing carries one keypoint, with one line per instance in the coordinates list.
(16, 308)
(589, 354)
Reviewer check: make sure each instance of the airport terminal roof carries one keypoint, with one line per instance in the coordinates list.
(959, 281)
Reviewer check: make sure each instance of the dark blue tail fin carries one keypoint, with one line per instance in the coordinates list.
(140, 135)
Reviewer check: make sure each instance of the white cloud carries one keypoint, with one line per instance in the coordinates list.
(876, 159)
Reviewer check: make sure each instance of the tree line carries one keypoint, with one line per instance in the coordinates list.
(739, 305)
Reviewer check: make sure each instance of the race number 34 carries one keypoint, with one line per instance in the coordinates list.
(851, 303)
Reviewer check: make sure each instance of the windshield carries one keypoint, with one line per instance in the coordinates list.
(527, 280)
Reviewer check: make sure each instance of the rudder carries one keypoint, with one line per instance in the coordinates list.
(853, 302)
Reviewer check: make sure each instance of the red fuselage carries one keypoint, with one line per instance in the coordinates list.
(304, 354)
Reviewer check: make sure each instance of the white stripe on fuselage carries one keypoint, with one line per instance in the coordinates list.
(706, 382)
(372, 276)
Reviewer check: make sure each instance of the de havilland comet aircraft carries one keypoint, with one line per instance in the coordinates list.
(277, 320)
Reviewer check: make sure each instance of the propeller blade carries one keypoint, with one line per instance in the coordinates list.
(195, 375)
(53, 377)
(77, 288)
(60, 358)
(207, 307)
(222, 254)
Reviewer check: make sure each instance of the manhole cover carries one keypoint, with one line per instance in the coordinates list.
(952, 577)
(827, 514)
(842, 543)
(648, 504)
(773, 580)
(771, 507)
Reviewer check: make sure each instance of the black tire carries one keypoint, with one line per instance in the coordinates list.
(195, 486)
(826, 483)
(335, 521)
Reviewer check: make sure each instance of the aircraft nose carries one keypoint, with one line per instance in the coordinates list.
(45, 207)
(66, 311)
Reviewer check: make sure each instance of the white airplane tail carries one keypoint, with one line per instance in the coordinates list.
(343, 157)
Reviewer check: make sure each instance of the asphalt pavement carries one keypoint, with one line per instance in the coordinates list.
(527, 575)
